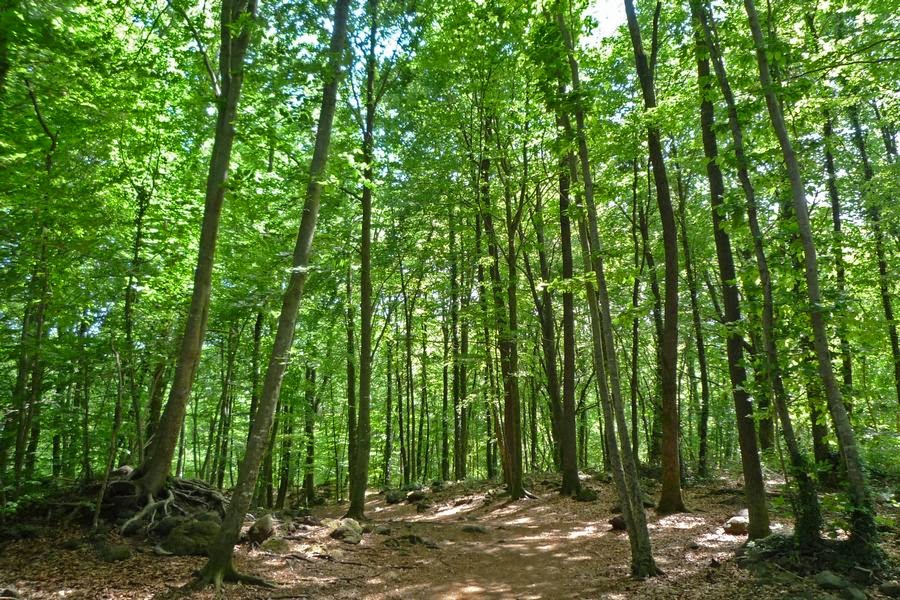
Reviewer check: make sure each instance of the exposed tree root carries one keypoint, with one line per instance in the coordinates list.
(229, 574)
(149, 513)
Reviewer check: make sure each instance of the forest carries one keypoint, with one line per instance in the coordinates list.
(449, 299)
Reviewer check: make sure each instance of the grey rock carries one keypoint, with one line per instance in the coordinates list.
(348, 531)
(381, 530)
(853, 593)
(113, 552)
(737, 525)
(394, 497)
(276, 545)
(827, 580)
(191, 538)
(890, 589)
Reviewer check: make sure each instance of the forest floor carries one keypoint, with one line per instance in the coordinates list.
(471, 543)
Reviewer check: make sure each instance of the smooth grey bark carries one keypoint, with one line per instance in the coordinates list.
(863, 530)
(151, 475)
(605, 360)
(670, 500)
(219, 567)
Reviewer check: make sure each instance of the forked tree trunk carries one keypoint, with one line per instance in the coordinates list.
(808, 517)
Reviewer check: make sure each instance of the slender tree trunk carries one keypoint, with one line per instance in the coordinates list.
(697, 322)
(254, 365)
(284, 464)
(838, 250)
(352, 422)
(445, 398)
(605, 360)
(219, 566)
(670, 500)
(311, 409)
(151, 475)
(863, 531)
(388, 420)
(873, 212)
(754, 486)
(570, 482)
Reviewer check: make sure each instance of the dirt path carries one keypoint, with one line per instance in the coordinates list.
(471, 543)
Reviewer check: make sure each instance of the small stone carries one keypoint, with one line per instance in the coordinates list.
(472, 528)
(862, 576)
(830, 581)
(415, 496)
(890, 589)
(347, 530)
(586, 494)
(853, 593)
(276, 545)
(618, 523)
(737, 525)
(694, 545)
(113, 552)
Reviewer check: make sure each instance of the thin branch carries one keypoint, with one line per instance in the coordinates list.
(214, 81)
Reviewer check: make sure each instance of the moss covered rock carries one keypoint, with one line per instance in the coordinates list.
(276, 545)
(191, 538)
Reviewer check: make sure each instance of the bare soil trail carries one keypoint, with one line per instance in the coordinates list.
(471, 542)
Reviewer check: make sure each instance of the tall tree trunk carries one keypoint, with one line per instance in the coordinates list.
(352, 422)
(310, 410)
(547, 318)
(237, 17)
(388, 420)
(697, 322)
(605, 360)
(838, 250)
(134, 274)
(219, 566)
(670, 500)
(639, 262)
(284, 463)
(445, 398)
(570, 482)
(873, 212)
(863, 531)
(754, 486)
(808, 517)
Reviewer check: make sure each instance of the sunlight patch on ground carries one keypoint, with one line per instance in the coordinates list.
(681, 521)
(589, 530)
